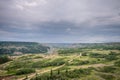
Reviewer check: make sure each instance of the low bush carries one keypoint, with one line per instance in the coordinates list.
(18, 64)
(108, 77)
(77, 73)
(96, 55)
(84, 54)
(46, 63)
(65, 74)
(25, 71)
(4, 59)
(108, 69)
(111, 56)
(79, 62)
(117, 63)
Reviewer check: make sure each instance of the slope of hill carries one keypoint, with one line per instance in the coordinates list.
(88, 64)
(22, 47)
(96, 61)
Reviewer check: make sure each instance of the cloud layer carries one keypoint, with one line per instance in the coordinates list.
(60, 20)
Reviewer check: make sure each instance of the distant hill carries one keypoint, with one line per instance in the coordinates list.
(22, 47)
(110, 45)
(7, 47)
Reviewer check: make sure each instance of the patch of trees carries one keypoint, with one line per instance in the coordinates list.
(7, 51)
(69, 51)
(107, 69)
(34, 49)
(23, 47)
(18, 64)
(111, 56)
(117, 63)
(99, 46)
(78, 62)
(46, 63)
(64, 75)
(96, 55)
(104, 46)
(108, 76)
(4, 59)
(25, 71)
(9, 43)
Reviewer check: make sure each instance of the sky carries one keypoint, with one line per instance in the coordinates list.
(60, 21)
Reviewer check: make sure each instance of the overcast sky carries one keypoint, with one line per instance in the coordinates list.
(52, 21)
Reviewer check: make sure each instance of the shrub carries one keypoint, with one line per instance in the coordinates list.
(46, 63)
(84, 54)
(78, 62)
(69, 51)
(111, 57)
(25, 71)
(96, 55)
(65, 74)
(19, 64)
(117, 63)
(107, 77)
(77, 73)
(108, 69)
(4, 59)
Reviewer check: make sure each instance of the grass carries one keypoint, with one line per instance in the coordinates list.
(80, 67)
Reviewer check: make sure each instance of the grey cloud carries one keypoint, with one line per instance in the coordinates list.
(60, 20)
(53, 10)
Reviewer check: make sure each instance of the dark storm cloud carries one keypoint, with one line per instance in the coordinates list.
(60, 20)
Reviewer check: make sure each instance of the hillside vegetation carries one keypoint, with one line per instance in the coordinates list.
(22, 47)
(96, 63)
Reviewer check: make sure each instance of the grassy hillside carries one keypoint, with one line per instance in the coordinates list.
(22, 47)
(64, 64)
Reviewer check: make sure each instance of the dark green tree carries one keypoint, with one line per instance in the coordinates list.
(58, 71)
(51, 74)
(66, 71)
